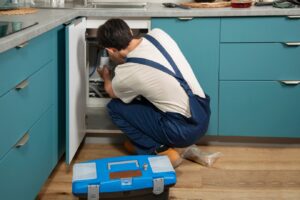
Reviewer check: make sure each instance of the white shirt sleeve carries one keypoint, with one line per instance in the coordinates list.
(122, 87)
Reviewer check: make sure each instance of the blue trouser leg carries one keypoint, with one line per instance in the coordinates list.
(140, 121)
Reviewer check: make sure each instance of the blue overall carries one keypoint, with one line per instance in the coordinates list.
(148, 127)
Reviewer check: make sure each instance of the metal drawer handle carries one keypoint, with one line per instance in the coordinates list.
(290, 82)
(22, 85)
(292, 43)
(294, 17)
(23, 140)
(185, 18)
(20, 46)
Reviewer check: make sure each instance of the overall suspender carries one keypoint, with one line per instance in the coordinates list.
(199, 107)
(160, 67)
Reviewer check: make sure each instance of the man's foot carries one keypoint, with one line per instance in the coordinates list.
(173, 155)
(129, 147)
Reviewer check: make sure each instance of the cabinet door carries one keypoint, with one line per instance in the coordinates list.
(59, 92)
(199, 41)
(260, 108)
(75, 86)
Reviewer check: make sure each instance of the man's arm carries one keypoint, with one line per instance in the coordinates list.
(108, 89)
(105, 75)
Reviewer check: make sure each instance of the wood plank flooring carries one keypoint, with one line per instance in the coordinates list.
(264, 173)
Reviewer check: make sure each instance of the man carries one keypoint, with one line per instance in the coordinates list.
(157, 100)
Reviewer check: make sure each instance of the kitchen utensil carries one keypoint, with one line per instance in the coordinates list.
(204, 1)
(261, 3)
(278, 3)
(174, 5)
(283, 4)
(219, 4)
(241, 3)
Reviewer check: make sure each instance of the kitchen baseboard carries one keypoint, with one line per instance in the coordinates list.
(118, 138)
(104, 138)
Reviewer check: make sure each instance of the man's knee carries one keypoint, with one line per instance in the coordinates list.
(114, 105)
(113, 109)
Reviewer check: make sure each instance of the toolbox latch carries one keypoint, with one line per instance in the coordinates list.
(93, 192)
(158, 186)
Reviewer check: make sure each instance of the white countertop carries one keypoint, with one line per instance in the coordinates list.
(50, 18)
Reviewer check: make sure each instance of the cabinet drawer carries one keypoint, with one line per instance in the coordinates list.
(23, 170)
(259, 61)
(260, 29)
(19, 63)
(259, 108)
(21, 108)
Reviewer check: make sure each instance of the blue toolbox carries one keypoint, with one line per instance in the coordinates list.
(119, 176)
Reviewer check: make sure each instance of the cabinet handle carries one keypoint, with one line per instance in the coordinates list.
(292, 43)
(185, 18)
(122, 163)
(20, 46)
(23, 140)
(294, 17)
(290, 82)
(22, 85)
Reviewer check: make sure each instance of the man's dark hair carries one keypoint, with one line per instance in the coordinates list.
(114, 33)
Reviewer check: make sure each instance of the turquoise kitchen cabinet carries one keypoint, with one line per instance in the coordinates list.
(259, 77)
(25, 168)
(251, 74)
(59, 58)
(259, 108)
(31, 139)
(260, 29)
(198, 38)
(259, 61)
(20, 108)
(18, 63)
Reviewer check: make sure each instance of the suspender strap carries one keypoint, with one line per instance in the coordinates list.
(164, 53)
(153, 64)
(160, 67)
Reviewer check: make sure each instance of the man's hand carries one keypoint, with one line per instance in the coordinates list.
(115, 56)
(104, 73)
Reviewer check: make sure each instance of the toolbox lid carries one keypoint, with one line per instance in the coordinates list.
(124, 173)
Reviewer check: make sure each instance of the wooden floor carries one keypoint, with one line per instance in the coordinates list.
(242, 173)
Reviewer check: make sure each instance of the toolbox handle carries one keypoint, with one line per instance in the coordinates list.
(122, 163)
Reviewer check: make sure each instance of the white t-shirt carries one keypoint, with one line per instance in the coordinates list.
(161, 89)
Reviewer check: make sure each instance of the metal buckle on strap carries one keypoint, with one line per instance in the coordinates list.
(93, 192)
(158, 186)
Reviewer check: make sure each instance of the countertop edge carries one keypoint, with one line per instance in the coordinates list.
(27, 34)
(154, 10)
